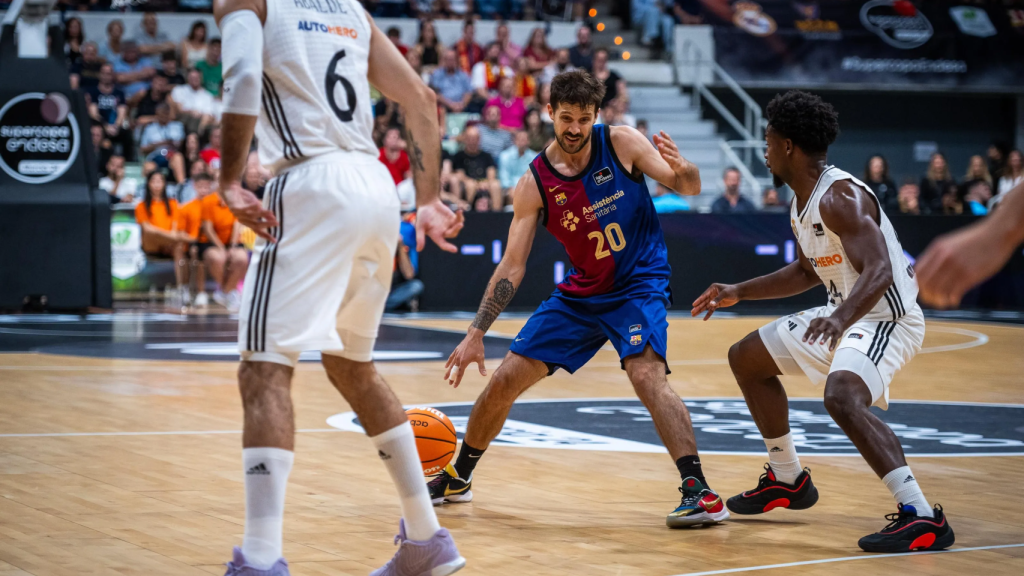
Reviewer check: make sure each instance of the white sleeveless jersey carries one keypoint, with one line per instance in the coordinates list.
(316, 96)
(824, 250)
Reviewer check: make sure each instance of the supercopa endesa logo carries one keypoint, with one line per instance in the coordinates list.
(898, 22)
(39, 137)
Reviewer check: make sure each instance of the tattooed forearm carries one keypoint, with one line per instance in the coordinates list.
(492, 305)
(414, 150)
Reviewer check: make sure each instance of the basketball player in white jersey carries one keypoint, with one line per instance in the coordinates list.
(298, 73)
(870, 327)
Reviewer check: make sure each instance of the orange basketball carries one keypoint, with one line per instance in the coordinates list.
(435, 438)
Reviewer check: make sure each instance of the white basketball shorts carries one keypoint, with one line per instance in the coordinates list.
(323, 284)
(875, 350)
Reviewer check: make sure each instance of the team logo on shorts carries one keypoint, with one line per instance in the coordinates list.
(560, 198)
(635, 339)
(569, 221)
(856, 336)
(635, 328)
(603, 175)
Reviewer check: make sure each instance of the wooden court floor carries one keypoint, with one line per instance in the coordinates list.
(133, 467)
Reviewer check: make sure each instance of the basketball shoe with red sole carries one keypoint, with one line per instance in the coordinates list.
(771, 494)
(907, 532)
(699, 506)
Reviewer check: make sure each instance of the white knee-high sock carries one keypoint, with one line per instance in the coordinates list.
(904, 488)
(782, 457)
(266, 478)
(397, 449)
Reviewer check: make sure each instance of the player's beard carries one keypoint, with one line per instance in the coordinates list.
(565, 146)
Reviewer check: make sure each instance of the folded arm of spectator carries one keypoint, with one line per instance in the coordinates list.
(211, 234)
(122, 117)
(405, 266)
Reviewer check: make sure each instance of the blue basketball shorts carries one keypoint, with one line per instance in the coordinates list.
(566, 332)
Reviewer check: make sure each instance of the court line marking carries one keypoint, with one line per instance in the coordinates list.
(165, 433)
(980, 339)
(846, 559)
(547, 400)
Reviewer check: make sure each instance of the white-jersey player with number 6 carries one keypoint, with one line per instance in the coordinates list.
(297, 73)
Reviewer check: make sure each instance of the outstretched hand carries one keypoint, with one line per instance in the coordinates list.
(436, 221)
(957, 262)
(670, 152)
(715, 297)
(470, 350)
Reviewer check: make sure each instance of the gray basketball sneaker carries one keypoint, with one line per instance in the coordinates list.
(238, 567)
(435, 557)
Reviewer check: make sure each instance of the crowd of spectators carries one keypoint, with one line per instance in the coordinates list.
(433, 9)
(492, 104)
(983, 185)
(155, 104)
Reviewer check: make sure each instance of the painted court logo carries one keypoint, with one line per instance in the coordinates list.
(724, 426)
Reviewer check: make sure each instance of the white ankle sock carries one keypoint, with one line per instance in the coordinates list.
(266, 478)
(904, 488)
(397, 449)
(783, 459)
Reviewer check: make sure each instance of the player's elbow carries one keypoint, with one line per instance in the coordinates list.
(420, 97)
(882, 274)
(245, 87)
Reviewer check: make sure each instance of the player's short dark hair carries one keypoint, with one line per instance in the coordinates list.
(806, 119)
(578, 88)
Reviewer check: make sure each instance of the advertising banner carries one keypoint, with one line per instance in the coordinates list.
(702, 248)
(955, 44)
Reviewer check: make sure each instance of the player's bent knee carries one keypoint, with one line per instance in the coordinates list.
(258, 378)
(344, 371)
(743, 361)
(845, 394)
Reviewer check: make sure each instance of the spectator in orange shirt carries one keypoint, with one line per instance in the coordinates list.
(190, 223)
(158, 217)
(225, 258)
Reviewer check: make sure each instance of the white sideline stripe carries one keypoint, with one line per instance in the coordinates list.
(845, 559)
(168, 433)
(980, 339)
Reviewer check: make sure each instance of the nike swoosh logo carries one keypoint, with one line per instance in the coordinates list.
(550, 190)
(471, 456)
(449, 492)
(709, 505)
(518, 339)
